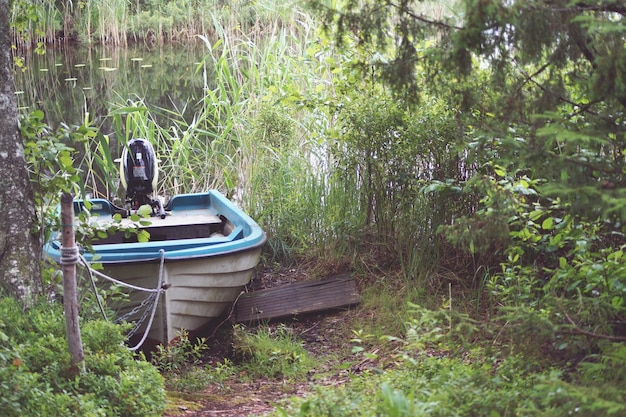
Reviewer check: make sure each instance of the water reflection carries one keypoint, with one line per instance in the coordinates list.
(67, 81)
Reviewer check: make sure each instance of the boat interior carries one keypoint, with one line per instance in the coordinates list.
(177, 225)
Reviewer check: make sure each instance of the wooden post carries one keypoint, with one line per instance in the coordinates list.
(69, 257)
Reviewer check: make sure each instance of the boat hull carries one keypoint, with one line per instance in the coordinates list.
(197, 291)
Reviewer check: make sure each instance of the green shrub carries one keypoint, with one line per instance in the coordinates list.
(38, 379)
(176, 356)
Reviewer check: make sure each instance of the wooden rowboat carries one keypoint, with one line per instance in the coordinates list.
(195, 264)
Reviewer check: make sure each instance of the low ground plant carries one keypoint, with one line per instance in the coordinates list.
(433, 374)
(181, 363)
(270, 353)
(179, 354)
(196, 378)
(38, 379)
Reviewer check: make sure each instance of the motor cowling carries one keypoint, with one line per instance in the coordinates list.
(139, 169)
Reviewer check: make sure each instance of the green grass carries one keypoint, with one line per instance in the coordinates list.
(274, 353)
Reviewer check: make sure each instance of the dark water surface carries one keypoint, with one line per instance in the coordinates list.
(67, 81)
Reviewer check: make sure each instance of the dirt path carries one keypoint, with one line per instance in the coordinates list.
(243, 399)
(325, 336)
(239, 397)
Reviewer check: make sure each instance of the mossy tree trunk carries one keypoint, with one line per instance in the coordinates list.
(19, 248)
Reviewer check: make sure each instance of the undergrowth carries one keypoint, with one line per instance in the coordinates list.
(439, 368)
(272, 353)
(37, 377)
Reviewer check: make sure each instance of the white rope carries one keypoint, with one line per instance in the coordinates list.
(69, 256)
(155, 292)
(159, 289)
(125, 284)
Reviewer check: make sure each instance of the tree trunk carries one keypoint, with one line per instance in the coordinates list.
(19, 248)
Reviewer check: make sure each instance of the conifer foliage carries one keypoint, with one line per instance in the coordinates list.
(547, 80)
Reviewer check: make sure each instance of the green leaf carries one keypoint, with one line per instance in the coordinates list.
(499, 171)
(143, 236)
(145, 211)
(547, 224)
(536, 214)
(38, 115)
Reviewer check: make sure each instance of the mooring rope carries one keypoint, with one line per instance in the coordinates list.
(70, 255)
(85, 264)
(156, 303)
(125, 284)
(153, 299)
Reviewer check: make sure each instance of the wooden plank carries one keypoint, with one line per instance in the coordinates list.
(299, 298)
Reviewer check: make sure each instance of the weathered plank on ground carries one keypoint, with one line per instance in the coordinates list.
(299, 298)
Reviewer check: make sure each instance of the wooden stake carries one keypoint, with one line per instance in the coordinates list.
(69, 257)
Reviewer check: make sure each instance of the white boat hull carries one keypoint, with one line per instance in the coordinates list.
(199, 290)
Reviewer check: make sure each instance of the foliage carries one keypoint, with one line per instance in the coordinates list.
(428, 379)
(181, 364)
(556, 89)
(271, 353)
(542, 100)
(502, 133)
(441, 386)
(555, 275)
(196, 378)
(178, 354)
(50, 158)
(38, 379)
(386, 153)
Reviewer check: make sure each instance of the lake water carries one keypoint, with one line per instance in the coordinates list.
(67, 81)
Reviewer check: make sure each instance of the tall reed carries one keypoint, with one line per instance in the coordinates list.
(114, 22)
(327, 163)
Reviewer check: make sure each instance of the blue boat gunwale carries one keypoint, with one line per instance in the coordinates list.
(246, 235)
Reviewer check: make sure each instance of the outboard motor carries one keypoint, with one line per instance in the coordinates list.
(139, 175)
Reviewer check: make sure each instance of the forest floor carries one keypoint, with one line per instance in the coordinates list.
(326, 336)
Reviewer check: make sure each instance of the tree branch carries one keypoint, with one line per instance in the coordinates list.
(583, 107)
(612, 7)
(578, 330)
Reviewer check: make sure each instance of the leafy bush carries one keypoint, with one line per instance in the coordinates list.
(557, 278)
(38, 378)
